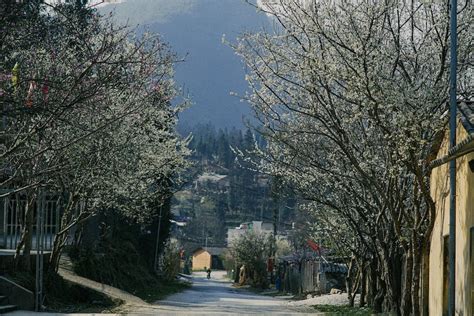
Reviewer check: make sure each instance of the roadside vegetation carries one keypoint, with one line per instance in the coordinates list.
(121, 258)
(351, 101)
(65, 297)
(89, 125)
(248, 254)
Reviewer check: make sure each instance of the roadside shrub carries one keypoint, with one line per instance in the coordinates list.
(253, 250)
(171, 260)
(117, 264)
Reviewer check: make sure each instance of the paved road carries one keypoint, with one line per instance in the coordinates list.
(210, 297)
(218, 297)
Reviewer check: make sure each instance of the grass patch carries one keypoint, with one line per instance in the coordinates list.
(159, 289)
(343, 310)
(121, 266)
(64, 297)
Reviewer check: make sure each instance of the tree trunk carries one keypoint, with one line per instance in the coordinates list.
(380, 289)
(372, 286)
(55, 256)
(363, 285)
(355, 288)
(406, 305)
(425, 280)
(349, 281)
(390, 264)
(26, 239)
(415, 290)
(61, 236)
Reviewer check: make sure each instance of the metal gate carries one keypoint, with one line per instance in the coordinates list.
(14, 208)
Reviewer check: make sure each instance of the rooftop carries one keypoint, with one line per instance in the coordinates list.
(466, 111)
(211, 177)
(464, 146)
(214, 251)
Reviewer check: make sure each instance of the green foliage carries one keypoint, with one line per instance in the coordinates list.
(171, 260)
(123, 256)
(228, 260)
(119, 265)
(283, 248)
(253, 250)
(62, 296)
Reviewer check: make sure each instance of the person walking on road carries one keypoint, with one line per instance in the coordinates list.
(208, 273)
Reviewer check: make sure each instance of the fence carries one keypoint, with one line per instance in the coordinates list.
(308, 275)
(12, 217)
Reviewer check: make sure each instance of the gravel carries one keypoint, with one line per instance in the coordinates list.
(329, 299)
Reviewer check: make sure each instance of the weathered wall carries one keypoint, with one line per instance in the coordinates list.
(201, 260)
(464, 221)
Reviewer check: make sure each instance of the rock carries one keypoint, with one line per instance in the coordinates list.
(335, 291)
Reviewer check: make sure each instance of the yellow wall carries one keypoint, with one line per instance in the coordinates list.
(201, 259)
(464, 221)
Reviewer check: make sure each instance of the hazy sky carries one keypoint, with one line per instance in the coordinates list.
(149, 11)
(194, 29)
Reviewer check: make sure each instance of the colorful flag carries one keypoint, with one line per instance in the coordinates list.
(314, 246)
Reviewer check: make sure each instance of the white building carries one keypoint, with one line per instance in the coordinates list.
(255, 226)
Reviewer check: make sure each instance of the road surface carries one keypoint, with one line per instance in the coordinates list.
(217, 297)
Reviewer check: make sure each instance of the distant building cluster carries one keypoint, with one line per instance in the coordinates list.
(255, 226)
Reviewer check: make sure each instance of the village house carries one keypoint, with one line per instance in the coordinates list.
(217, 181)
(438, 258)
(207, 257)
(255, 226)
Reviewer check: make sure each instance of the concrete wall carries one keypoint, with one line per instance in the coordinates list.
(464, 222)
(201, 260)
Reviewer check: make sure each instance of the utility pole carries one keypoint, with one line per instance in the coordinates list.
(37, 274)
(452, 163)
(39, 250)
(158, 238)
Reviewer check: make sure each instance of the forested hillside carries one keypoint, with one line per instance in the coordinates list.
(223, 190)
